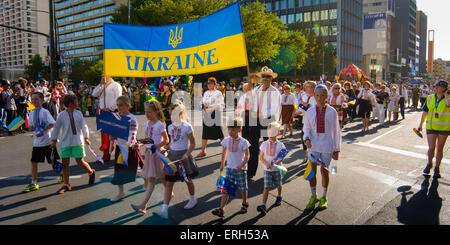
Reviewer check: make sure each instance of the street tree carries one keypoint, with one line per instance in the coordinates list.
(36, 69)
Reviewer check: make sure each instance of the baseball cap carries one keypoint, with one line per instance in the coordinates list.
(442, 83)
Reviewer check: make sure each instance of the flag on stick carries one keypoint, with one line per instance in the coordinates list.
(16, 123)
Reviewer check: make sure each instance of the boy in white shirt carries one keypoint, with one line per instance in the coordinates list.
(41, 122)
(269, 150)
(72, 124)
(322, 136)
(235, 151)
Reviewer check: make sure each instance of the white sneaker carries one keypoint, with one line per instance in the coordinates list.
(164, 215)
(191, 204)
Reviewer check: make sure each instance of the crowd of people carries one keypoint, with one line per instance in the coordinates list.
(320, 110)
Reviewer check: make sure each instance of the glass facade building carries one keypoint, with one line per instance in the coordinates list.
(80, 26)
(339, 22)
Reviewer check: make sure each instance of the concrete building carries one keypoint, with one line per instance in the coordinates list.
(339, 23)
(406, 12)
(80, 26)
(382, 44)
(421, 30)
(18, 47)
(439, 69)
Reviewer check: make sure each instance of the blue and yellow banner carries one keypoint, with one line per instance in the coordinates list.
(214, 42)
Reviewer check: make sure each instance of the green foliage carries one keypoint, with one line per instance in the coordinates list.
(36, 66)
(93, 74)
(79, 68)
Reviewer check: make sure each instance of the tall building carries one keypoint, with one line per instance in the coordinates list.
(18, 47)
(421, 30)
(382, 44)
(405, 11)
(338, 22)
(439, 69)
(80, 26)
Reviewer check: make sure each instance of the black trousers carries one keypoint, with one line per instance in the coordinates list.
(401, 103)
(253, 139)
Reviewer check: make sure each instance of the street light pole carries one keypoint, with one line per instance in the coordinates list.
(53, 61)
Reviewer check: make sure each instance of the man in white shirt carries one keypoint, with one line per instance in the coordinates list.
(108, 91)
(265, 109)
(403, 92)
(42, 88)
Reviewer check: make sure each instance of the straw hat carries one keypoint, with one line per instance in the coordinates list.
(266, 71)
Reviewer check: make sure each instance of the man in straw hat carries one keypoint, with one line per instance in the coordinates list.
(265, 109)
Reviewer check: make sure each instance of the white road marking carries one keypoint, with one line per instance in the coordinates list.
(421, 147)
(13, 178)
(401, 152)
(388, 132)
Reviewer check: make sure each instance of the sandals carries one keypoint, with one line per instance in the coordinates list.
(218, 212)
(244, 208)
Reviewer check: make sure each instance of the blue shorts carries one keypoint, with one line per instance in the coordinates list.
(240, 179)
(272, 179)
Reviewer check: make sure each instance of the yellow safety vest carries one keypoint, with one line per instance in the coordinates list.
(442, 123)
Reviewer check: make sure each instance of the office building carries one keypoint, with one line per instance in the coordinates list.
(406, 12)
(421, 30)
(18, 47)
(338, 22)
(382, 44)
(80, 26)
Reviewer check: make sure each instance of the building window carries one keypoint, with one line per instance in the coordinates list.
(325, 1)
(269, 6)
(307, 17)
(333, 30)
(315, 2)
(291, 4)
(299, 17)
(283, 4)
(300, 3)
(315, 16)
(284, 19)
(324, 15)
(291, 18)
(275, 5)
(333, 14)
(324, 30)
(373, 61)
(307, 3)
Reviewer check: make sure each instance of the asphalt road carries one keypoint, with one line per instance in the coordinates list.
(379, 181)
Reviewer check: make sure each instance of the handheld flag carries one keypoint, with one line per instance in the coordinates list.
(282, 170)
(296, 103)
(30, 106)
(183, 172)
(16, 123)
(96, 155)
(309, 172)
(56, 165)
(225, 186)
(171, 167)
(281, 155)
(123, 156)
(353, 102)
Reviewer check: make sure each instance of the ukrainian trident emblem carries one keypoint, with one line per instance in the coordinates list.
(175, 38)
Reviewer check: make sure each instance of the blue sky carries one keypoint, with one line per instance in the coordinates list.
(438, 12)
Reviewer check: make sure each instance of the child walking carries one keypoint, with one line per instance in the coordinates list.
(181, 146)
(272, 176)
(125, 173)
(235, 151)
(73, 127)
(41, 122)
(153, 167)
(323, 139)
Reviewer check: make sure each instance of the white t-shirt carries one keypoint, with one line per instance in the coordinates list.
(270, 155)
(154, 132)
(287, 99)
(46, 119)
(235, 151)
(179, 136)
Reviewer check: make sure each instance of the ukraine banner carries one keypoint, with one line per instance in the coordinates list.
(214, 42)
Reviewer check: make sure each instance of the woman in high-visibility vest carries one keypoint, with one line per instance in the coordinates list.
(437, 115)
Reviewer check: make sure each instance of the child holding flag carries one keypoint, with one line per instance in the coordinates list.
(269, 150)
(73, 127)
(235, 150)
(180, 148)
(126, 155)
(322, 136)
(41, 122)
(153, 168)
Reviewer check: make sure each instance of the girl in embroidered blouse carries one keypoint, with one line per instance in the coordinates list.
(153, 167)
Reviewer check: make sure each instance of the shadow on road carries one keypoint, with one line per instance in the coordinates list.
(422, 208)
(304, 218)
